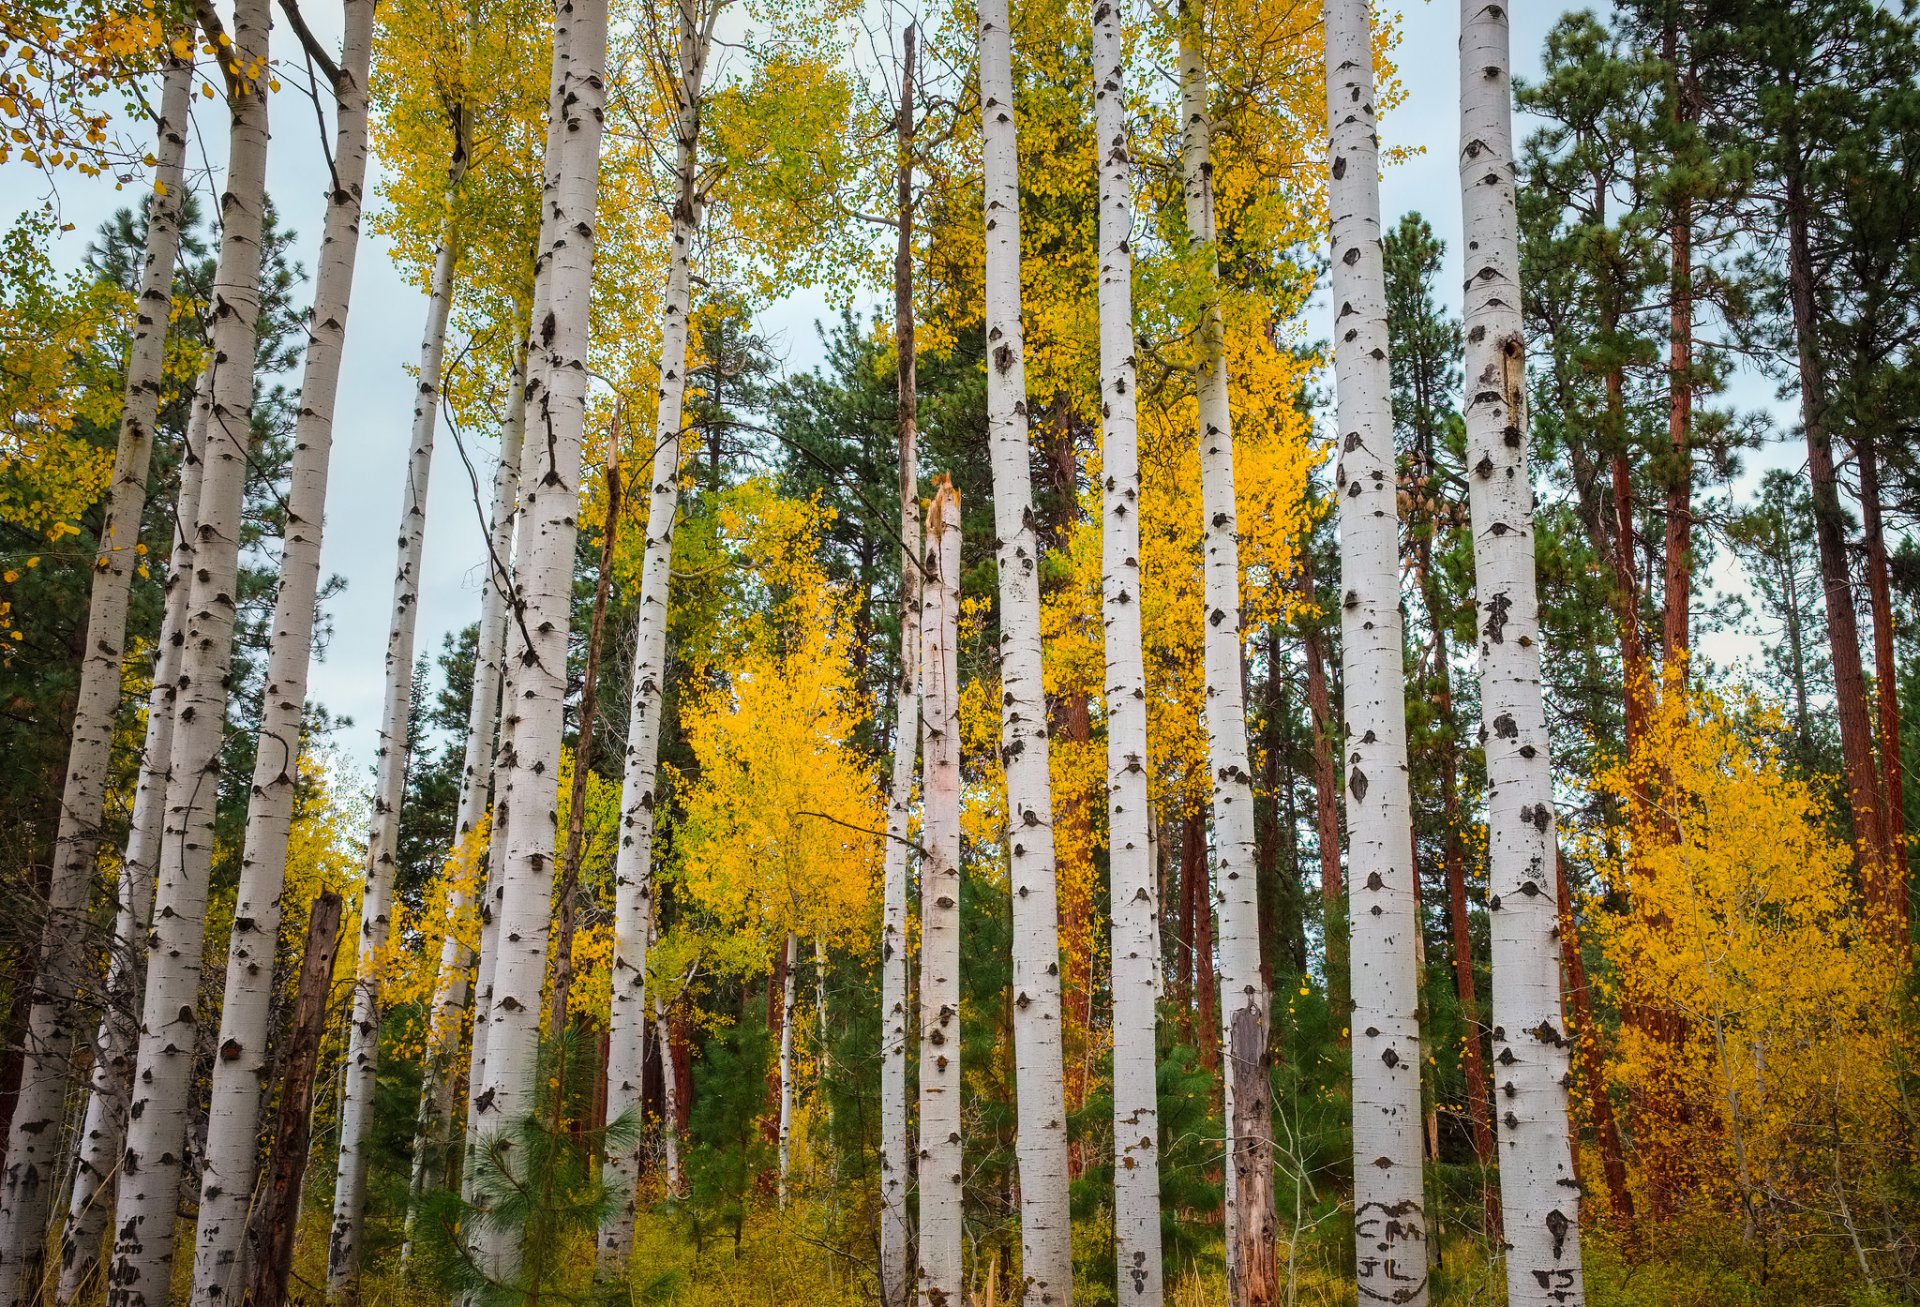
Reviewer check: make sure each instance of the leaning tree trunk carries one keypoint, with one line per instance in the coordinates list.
(1539, 1194)
(633, 863)
(1389, 1216)
(104, 1128)
(940, 1152)
(389, 789)
(453, 982)
(1040, 1139)
(151, 1168)
(34, 1134)
(669, 1101)
(242, 1069)
(1130, 871)
(895, 1233)
(557, 411)
(1236, 888)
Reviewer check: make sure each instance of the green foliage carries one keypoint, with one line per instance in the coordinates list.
(729, 1149)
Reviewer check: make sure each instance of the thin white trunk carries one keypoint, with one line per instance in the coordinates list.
(786, 1063)
(1040, 1140)
(454, 980)
(824, 1058)
(940, 1153)
(27, 1184)
(104, 1127)
(1389, 1218)
(1133, 893)
(669, 1099)
(556, 411)
(376, 903)
(633, 863)
(241, 1070)
(150, 1172)
(1539, 1193)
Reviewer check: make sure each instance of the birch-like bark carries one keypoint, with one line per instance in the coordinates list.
(669, 1100)
(1539, 1193)
(241, 1070)
(556, 412)
(390, 781)
(633, 861)
(1133, 892)
(1040, 1140)
(110, 1083)
(1235, 884)
(786, 1062)
(896, 1234)
(940, 1282)
(1389, 1216)
(26, 1184)
(151, 1168)
(454, 982)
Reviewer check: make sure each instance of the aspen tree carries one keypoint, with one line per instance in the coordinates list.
(240, 1067)
(895, 1233)
(1389, 1217)
(556, 411)
(151, 1168)
(1539, 1193)
(26, 1184)
(376, 903)
(1041, 1132)
(940, 1152)
(103, 1127)
(786, 1060)
(633, 863)
(1133, 889)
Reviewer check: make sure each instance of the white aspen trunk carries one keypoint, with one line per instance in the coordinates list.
(1040, 1139)
(824, 1057)
(150, 1171)
(376, 903)
(34, 1140)
(786, 1064)
(556, 411)
(241, 1070)
(896, 1233)
(669, 1100)
(1539, 1193)
(104, 1126)
(454, 981)
(940, 1152)
(1389, 1218)
(1133, 893)
(633, 862)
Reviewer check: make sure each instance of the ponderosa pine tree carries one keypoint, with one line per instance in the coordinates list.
(1040, 1139)
(34, 1139)
(151, 1170)
(1539, 1192)
(939, 1264)
(1132, 877)
(633, 863)
(1389, 1205)
(231, 1161)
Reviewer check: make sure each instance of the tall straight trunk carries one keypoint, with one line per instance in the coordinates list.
(1132, 890)
(669, 1100)
(151, 1168)
(1235, 882)
(454, 983)
(1334, 925)
(1206, 994)
(1389, 1216)
(110, 1084)
(1862, 776)
(1539, 1194)
(786, 1059)
(895, 1232)
(241, 1070)
(551, 486)
(1040, 1139)
(274, 1218)
(1886, 677)
(940, 1153)
(1679, 577)
(390, 780)
(633, 863)
(1590, 1064)
(34, 1134)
